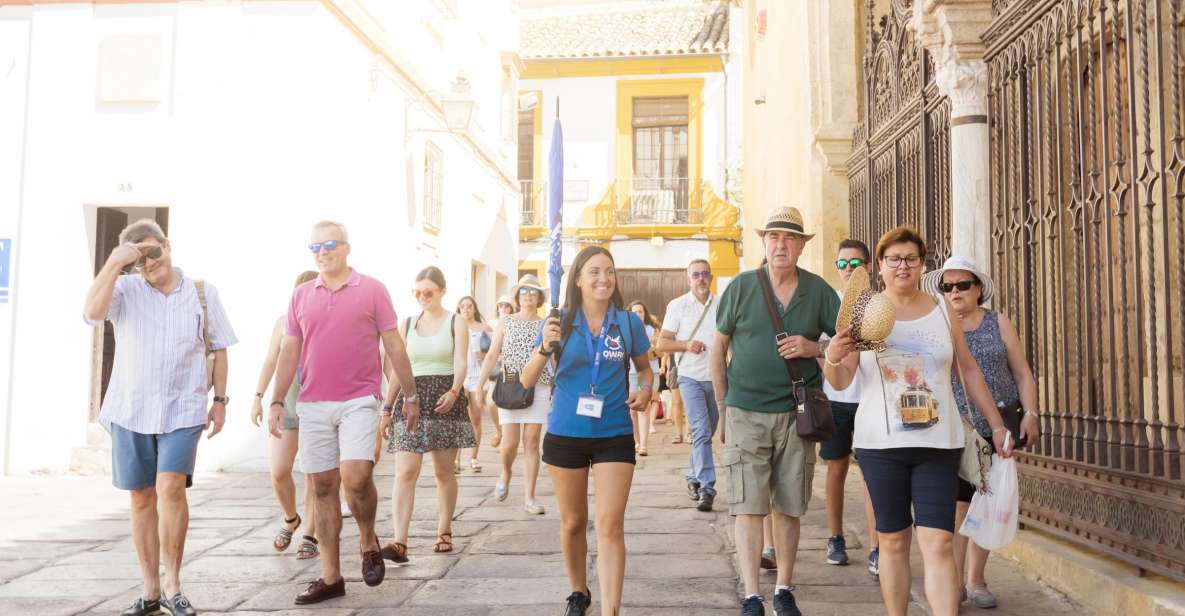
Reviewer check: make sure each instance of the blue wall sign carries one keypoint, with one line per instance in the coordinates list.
(5, 268)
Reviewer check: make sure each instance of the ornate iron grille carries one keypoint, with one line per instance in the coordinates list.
(899, 171)
(1088, 186)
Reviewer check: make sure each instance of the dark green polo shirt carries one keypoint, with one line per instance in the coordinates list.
(757, 379)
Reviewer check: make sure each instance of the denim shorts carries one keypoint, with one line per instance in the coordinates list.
(923, 479)
(137, 458)
(839, 446)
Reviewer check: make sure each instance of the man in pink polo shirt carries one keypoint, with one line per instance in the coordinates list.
(335, 324)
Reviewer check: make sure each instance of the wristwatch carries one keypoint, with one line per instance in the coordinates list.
(223, 399)
(823, 344)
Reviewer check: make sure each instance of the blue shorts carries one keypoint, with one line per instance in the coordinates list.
(839, 446)
(137, 458)
(921, 479)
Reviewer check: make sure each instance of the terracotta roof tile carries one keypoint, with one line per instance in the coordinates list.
(657, 30)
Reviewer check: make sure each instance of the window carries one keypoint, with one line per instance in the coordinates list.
(526, 165)
(660, 184)
(433, 185)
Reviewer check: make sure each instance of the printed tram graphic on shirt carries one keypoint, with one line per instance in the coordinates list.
(903, 377)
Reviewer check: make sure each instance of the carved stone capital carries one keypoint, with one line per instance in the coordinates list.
(965, 83)
(951, 29)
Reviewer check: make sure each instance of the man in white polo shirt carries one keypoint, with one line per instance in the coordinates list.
(687, 330)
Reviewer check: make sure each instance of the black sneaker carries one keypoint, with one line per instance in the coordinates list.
(784, 604)
(177, 606)
(837, 551)
(578, 603)
(693, 490)
(142, 607)
(705, 502)
(752, 606)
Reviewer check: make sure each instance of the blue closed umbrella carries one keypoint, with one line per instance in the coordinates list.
(555, 206)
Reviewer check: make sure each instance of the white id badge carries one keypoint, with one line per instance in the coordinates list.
(589, 405)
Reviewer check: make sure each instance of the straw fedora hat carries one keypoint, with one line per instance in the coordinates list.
(931, 280)
(528, 281)
(871, 315)
(787, 219)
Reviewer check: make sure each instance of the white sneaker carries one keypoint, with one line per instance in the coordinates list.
(534, 508)
(500, 492)
(346, 513)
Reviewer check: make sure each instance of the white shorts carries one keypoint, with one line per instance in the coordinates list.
(534, 414)
(334, 431)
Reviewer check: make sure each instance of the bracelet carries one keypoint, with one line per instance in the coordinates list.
(540, 350)
(833, 364)
(1000, 429)
(275, 402)
(1030, 414)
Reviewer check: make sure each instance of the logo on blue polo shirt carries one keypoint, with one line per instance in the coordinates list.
(614, 349)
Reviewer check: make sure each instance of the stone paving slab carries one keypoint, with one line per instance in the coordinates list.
(680, 561)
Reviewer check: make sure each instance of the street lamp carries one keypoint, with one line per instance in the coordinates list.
(458, 106)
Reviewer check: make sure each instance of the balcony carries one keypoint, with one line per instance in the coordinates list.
(661, 201)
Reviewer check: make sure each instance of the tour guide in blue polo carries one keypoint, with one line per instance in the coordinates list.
(589, 424)
(768, 465)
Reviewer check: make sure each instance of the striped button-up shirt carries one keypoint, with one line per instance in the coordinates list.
(158, 381)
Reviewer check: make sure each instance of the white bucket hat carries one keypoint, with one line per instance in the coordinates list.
(931, 280)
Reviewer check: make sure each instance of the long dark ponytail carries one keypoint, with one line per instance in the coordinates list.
(573, 298)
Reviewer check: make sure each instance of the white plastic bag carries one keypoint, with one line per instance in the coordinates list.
(992, 517)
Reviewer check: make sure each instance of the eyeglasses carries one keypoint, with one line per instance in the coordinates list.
(706, 275)
(846, 263)
(153, 253)
(329, 245)
(895, 261)
(529, 291)
(424, 293)
(962, 285)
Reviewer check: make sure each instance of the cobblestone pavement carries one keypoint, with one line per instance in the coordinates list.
(65, 549)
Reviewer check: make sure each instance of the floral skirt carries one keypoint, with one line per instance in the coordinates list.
(434, 431)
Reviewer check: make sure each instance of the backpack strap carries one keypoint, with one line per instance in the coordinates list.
(200, 286)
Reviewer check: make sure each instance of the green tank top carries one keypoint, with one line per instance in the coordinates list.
(431, 355)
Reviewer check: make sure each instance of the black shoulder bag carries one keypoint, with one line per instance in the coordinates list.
(509, 392)
(813, 420)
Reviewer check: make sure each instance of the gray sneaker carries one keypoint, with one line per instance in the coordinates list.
(981, 597)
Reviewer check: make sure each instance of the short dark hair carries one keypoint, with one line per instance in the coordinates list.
(433, 274)
(855, 245)
(904, 234)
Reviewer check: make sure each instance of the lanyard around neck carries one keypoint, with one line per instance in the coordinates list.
(595, 351)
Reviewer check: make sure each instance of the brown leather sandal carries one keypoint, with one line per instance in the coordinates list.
(395, 552)
(443, 545)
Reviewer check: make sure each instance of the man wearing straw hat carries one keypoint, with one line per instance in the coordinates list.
(769, 467)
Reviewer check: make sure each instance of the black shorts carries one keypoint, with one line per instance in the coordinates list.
(923, 479)
(839, 446)
(573, 452)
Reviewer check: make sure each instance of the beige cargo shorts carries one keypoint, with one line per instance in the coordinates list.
(768, 465)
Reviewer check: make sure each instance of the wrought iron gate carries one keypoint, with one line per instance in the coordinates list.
(1088, 185)
(899, 171)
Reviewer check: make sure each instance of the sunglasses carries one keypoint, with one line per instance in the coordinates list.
(699, 275)
(329, 245)
(529, 291)
(962, 285)
(852, 263)
(153, 253)
(424, 293)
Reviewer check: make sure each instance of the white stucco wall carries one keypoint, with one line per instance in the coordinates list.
(270, 118)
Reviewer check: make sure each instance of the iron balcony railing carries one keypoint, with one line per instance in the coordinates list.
(662, 200)
(533, 202)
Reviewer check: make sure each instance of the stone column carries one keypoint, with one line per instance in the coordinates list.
(951, 31)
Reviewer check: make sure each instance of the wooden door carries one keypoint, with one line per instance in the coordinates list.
(654, 287)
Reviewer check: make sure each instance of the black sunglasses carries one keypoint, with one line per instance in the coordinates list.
(962, 285)
(153, 253)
